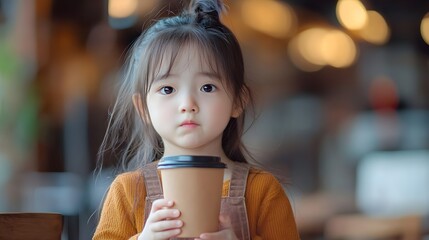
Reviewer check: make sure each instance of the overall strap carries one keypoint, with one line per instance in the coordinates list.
(153, 187)
(151, 180)
(237, 187)
(234, 205)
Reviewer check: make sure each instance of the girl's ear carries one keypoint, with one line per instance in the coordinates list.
(138, 105)
(241, 105)
(236, 112)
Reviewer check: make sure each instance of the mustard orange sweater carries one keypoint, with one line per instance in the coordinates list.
(269, 211)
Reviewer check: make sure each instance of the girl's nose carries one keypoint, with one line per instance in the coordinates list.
(189, 105)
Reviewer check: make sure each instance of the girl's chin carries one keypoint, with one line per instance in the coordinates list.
(193, 145)
(191, 150)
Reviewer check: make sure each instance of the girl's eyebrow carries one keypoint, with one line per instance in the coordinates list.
(211, 75)
(162, 76)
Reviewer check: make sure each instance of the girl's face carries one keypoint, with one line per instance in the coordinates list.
(189, 106)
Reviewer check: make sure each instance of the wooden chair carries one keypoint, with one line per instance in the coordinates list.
(42, 226)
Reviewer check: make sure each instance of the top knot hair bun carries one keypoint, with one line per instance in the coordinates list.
(207, 12)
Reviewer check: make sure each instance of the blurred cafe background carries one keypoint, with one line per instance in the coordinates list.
(341, 94)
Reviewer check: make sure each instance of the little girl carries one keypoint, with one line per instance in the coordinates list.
(184, 94)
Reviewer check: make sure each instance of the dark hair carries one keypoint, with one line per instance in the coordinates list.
(134, 139)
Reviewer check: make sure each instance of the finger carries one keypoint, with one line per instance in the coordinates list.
(163, 214)
(221, 235)
(166, 225)
(160, 204)
(225, 232)
(167, 234)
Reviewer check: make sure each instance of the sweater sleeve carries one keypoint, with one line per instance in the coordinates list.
(276, 219)
(117, 219)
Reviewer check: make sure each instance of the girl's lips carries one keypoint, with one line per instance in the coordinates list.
(188, 124)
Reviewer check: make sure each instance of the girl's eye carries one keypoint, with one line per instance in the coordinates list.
(167, 90)
(208, 88)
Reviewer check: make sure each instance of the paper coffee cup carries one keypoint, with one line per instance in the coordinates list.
(194, 183)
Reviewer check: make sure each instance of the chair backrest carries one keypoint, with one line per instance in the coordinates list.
(17, 226)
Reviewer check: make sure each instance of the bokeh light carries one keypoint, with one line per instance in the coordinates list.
(351, 14)
(338, 49)
(424, 28)
(270, 17)
(122, 8)
(376, 30)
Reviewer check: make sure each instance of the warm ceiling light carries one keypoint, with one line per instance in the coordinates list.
(424, 28)
(316, 47)
(270, 17)
(376, 30)
(309, 45)
(351, 14)
(122, 8)
(298, 60)
(338, 49)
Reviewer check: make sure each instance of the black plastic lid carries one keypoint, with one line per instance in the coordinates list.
(183, 161)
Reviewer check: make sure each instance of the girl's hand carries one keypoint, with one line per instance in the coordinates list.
(226, 232)
(162, 222)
